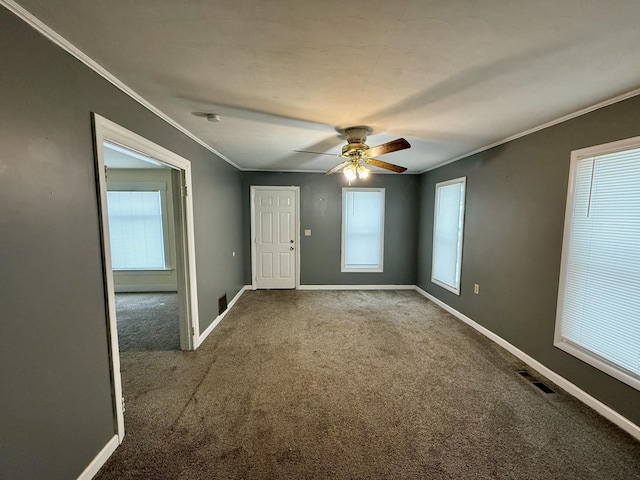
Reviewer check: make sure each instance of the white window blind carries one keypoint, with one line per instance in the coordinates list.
(362, 229)
(598, 316)
(136, 230)
(447, 234)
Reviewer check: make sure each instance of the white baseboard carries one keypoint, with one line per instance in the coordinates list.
(356, 287)
(145, 288)
(607, 412)
(562, 382)
(214, 324)
(100, 459)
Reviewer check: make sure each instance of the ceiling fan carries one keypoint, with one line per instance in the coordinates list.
(357, 154)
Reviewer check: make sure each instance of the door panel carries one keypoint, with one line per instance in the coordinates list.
(275, 238)
(266, 231)
(285, 265)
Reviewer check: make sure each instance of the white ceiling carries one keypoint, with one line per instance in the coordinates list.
(451, 76)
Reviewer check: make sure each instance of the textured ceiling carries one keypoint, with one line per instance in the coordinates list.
(450, 76)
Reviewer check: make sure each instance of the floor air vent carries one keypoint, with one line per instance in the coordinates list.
(527, 376)
(222, 304)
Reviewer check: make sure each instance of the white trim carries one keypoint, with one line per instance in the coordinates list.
(109, 283)
(380, 267)
(279, 170)
(100, 459)
(63, 43)
(559, 341)
(562, 382)
(570, 116)
(356, 287)
(146, 288)
(219, 318)
(106, 130)
(252, 194)
(436, 204)
(606, 148)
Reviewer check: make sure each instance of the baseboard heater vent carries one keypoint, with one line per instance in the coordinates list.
(527, 376)
(222, 304)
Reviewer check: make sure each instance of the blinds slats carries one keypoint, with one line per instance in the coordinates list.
(601, 303)
(135, 230)
(447, 234)
(363, 219)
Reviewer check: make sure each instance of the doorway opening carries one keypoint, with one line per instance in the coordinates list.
(148, 247)
(142, 236)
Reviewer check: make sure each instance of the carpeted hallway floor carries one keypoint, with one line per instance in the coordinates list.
(147, 321)
(353, 385)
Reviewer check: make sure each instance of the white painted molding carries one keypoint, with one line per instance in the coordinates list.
(562, 382)
(63, 43)
(100, 459)
(214, 324)
(564, 118)
(356, 287)
(146, 288)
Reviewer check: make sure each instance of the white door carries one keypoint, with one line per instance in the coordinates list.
(274, 223)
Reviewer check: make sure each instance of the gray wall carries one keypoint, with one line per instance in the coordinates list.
(56, 410)
(516, 195)
(321, 211)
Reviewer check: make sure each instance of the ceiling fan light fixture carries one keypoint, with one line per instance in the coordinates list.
(363, 172)
(350, 172)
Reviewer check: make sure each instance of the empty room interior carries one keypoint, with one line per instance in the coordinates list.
(246, 239)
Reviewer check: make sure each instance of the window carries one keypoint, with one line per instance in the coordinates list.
(362, 229)
(598, 315)
(137, 226)
(448, 222)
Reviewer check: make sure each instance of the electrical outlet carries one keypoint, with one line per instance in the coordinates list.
(476, 288)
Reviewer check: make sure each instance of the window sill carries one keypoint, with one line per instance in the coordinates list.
(361, 270)
(159, 271)
(595, 361)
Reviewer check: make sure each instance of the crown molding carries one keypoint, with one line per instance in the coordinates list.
(63, 43)
(564, 118)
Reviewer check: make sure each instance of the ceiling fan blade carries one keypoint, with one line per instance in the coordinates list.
(318, 153)
(338, 167)
(392, 146)
(386, 166)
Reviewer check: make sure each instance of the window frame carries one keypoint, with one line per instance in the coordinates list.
(578, 351)
(461, 218)
(160, 187)
(379, 268)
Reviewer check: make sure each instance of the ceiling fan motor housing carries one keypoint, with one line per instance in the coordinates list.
(356, 136)
(354, 149)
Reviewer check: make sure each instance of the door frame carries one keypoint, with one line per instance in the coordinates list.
(107, 131)
(296, 195)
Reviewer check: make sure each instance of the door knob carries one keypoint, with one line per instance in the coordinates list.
(290, 241)
(291, 248)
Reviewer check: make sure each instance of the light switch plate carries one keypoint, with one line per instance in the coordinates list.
(307, 232)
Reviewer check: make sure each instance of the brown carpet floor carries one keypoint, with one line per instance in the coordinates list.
(148, 321)
(353, 385)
